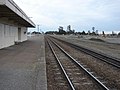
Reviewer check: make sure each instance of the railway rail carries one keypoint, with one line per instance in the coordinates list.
(76, 74)
(55, 77)
(106, 58)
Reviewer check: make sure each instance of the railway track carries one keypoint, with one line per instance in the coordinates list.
(106, 58)
(77, 76)
(55, 77)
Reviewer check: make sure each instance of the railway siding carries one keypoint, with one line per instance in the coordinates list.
(77, 73)
(98, 68)
(111, 49)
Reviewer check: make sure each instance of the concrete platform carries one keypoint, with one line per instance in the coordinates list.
(23, 66)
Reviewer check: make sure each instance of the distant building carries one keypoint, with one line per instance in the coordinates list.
(13, 23)
(60, 28)
(68, 28)
(61, 31)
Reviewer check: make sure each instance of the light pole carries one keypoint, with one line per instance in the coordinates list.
(38, 27)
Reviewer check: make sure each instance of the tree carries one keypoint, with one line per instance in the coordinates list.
(93, 28)
(96, 32)
(61, 31)
(119, 33)
(51, 32)
(36, 32)
(89, 32)
(83, 33)
(113, 34)
(68, 28)
(103, 33)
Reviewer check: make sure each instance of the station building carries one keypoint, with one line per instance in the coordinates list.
(13, 24)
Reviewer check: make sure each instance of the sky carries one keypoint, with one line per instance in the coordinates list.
(104, 15)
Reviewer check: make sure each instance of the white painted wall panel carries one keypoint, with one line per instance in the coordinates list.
(1, 35)
(15, 32)
(6, 36)
(23, 34)
(9, 34)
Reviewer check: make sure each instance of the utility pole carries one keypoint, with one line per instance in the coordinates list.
(38, 28)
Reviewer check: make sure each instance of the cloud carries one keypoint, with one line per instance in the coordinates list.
(103, 14)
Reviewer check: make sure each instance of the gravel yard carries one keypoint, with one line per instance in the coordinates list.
(110, 74)
(80, 80)
(106, 47)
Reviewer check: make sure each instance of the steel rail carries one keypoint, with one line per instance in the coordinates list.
(68, 79)
(106, 58)
(93, 77)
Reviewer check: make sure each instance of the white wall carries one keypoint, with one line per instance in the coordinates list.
(23, 34)
(1, 35)
(9, 34)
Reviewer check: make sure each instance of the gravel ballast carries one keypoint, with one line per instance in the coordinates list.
(103, 46)
(109, 73)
